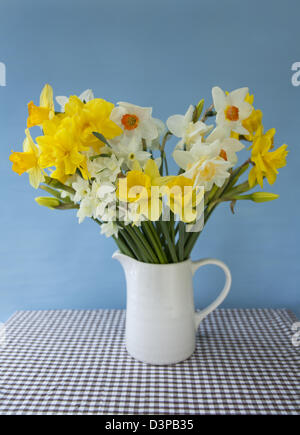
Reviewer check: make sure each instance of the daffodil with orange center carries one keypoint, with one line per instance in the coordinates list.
(232, 109)
(136, 122)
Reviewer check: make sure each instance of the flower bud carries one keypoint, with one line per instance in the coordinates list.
(257, 196)
(47, 201)
(263, 196)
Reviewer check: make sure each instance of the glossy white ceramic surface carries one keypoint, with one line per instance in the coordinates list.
(160, 318)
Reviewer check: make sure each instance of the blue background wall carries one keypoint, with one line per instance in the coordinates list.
(165, 54)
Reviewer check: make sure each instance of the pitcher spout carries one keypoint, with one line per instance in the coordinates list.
(125, 260)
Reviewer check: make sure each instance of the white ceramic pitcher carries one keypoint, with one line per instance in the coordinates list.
(161, 322)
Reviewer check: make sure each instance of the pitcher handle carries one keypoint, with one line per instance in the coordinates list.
(195, 266)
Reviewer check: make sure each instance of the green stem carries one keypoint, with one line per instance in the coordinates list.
(172, 225)
(181, 240)
(149, 231)
(166, 163)
(171, 246)
(145, 247)
(134, 245)
(122, 246)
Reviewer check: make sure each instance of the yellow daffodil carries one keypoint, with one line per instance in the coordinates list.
(256, 145)
(93, 116)
(142, 187)
(28, 161)
(266, 162)
(63, 151)
(38, 114)
(183, 198)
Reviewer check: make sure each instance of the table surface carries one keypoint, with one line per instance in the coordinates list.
(75, 362)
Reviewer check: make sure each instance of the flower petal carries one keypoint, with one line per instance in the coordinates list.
(219, 98)
(245, 110)
(182, 158)
(238, 96)
(62, 101)
(175, 124)
(188, 117)
(87, 95)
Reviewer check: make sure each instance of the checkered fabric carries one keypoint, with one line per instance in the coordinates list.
(75, 362)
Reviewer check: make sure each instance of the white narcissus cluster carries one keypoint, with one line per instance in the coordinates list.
(206, 159)
(203, 164)
(189, 132)
(97, 196)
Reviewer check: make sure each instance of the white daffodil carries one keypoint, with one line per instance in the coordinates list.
(136, 122)
(231, 109)
(87, 207)
(106, 190)
(129, 151)
(228, 145)
(106, 168)
(109, 229)
(203, 164)
(154, 144)
(86, 96)
(207, 172)
(89, 203)
(82, 188)
(189, 132)
(106, 209)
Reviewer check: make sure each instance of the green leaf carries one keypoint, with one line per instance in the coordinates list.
(101, 137)
(198, 110)
(99, 155)
(53, 192)
(58, 185)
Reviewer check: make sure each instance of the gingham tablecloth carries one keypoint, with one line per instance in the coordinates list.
(75, 362)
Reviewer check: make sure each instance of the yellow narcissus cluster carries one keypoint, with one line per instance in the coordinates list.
(67, 139)
(266, 162)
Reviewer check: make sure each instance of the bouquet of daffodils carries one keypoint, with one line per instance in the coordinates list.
(109, 162)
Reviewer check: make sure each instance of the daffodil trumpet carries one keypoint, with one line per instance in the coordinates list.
(110, 162)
